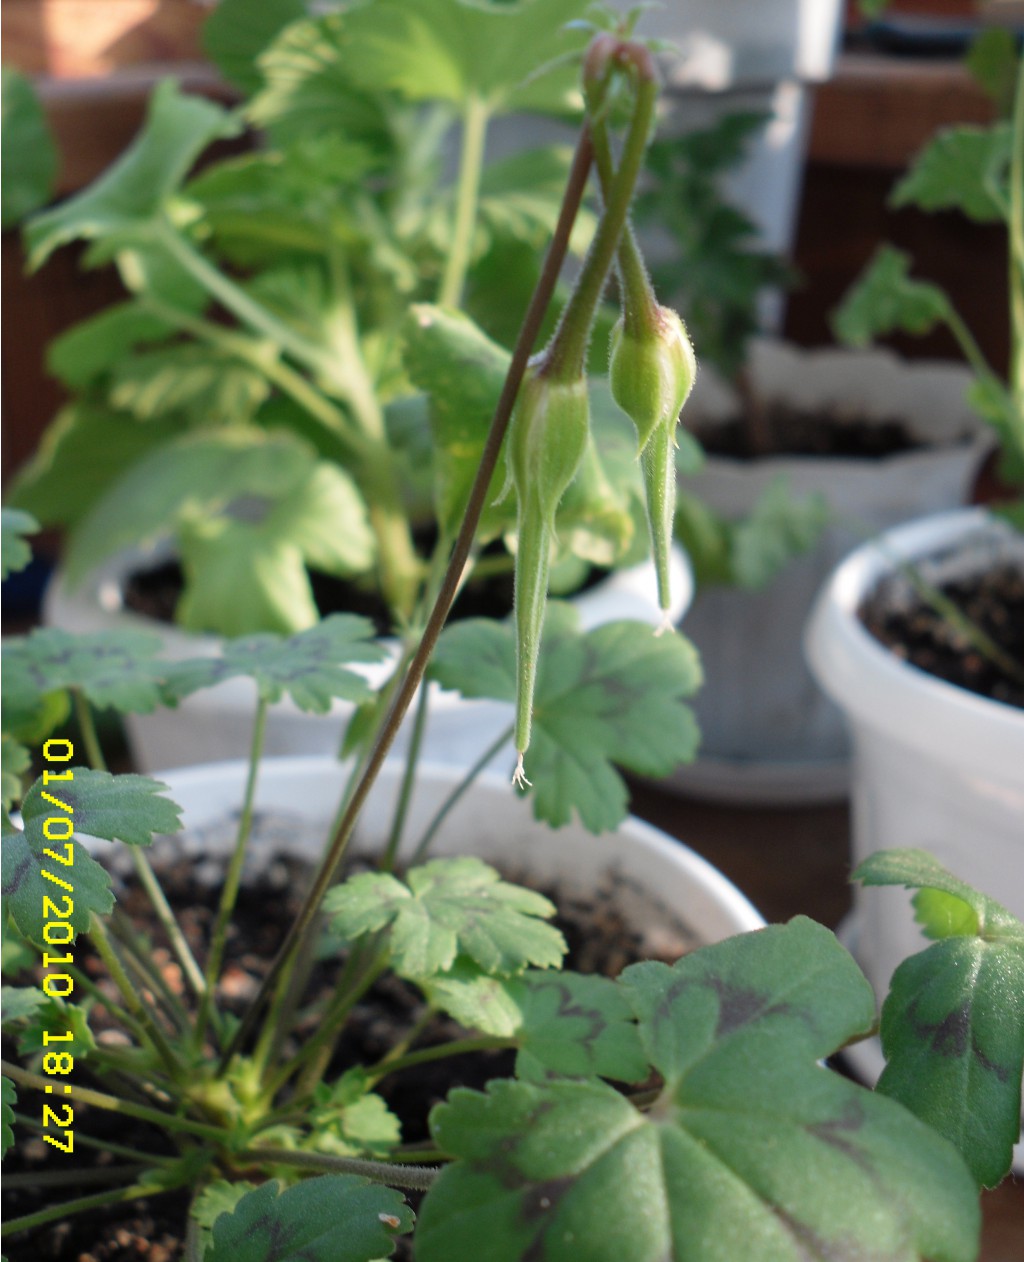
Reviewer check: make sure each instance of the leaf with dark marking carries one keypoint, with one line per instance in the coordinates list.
(331, 1218)
(953, 1023)
(751, 1150)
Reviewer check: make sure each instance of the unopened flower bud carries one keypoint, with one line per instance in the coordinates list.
(652, 373)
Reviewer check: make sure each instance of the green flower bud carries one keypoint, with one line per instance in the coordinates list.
(547, 438)
(651, 374)
(546, 442)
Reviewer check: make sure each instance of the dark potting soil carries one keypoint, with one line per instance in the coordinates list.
(916, 632)
(789, 432)
(151, 1230)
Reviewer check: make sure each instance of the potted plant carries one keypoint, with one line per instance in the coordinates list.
(260, 396)
(926, 614)
(286, 1149)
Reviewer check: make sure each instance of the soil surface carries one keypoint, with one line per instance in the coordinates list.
(921, 635)
(789, 432)
(150, 1231)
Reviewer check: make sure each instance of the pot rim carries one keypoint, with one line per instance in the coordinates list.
(633, 838)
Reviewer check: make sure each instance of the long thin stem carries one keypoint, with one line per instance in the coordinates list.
(233, 877)
(394, 1175)
(113, 1104)
(460, 553)
(474, 135)
(387, 861)
(566, 353)
(133, 1001)
(441, 814)
(135, 1155)
(1016, 226)
(140, 960)
(69, 1208)
(441, 1051)
(240, 304)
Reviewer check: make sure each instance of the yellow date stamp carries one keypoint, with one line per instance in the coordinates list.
(58, 932)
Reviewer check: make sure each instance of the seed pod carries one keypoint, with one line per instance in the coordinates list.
(651, 370)
(546, 441)
(659, 470)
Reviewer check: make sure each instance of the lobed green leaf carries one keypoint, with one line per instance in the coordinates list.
(751, 1150)
(311, 666)
(331, 1218)
(112, 668)
(28, 171)
(953, 1022)
(15, 553)
(128, 197)
(126, 808)
(962, 168)
(884, 299)
(450, 907)
(610, 696)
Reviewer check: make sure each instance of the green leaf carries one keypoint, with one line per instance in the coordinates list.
(449, 907)
(777, 529)
(220, 1197)
(243, 576)
(15, 553)
(962, 168)
(34, 901)
(201, 384)
(331, 1218)
(263, 207)
(953, 1023)
(885, 300)
(613, 695)
(349, 1120)
(9, 1100)
(917, 869)
(83, 435)
(30, 159)
(184, 480)
(751, 1150)
(953, 1037)
(48, 1016)
(15, 760)
(20, 1003)
(449, 358)
(311, 666)
(308, 74)
(237, 31)
(115, 668)
(470, 50)
(576, 1026)
(129, 196)
(125, 808)
(95, 345)
(993, 61)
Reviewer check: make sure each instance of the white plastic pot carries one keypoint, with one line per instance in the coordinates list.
(769, 733)
(216, 724)
(664, 891)
(934, 766)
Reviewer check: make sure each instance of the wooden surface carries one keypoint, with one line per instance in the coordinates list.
(790, 861)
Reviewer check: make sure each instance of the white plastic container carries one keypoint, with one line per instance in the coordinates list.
(769, 733)
(934, 766)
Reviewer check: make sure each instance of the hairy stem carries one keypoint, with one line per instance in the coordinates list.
(474, 135)
(394, 1175)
